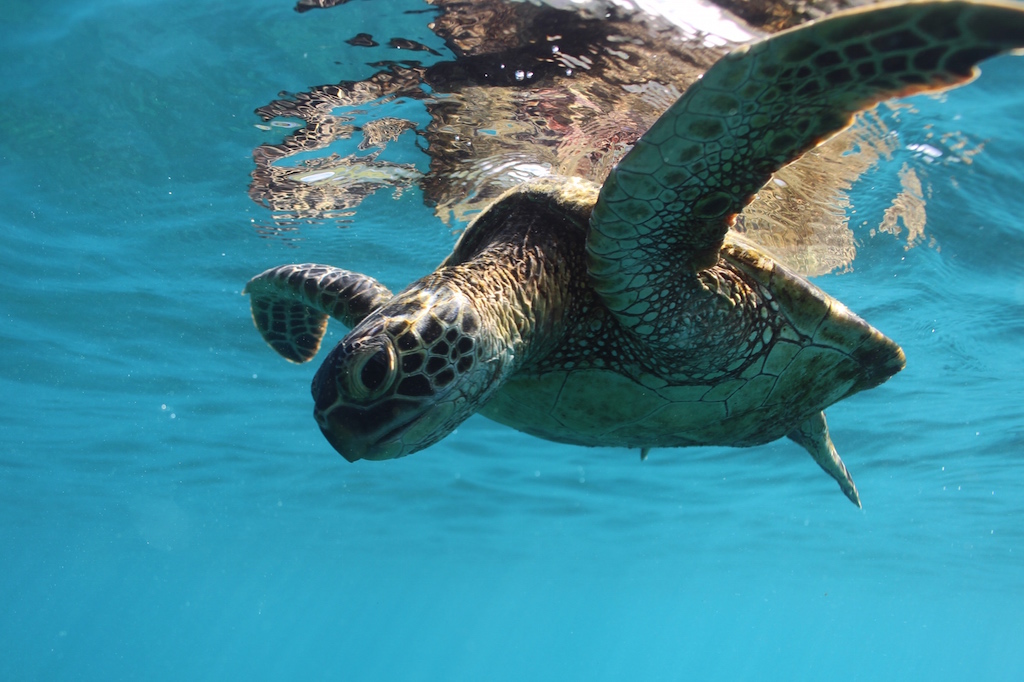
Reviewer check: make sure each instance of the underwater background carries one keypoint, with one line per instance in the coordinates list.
(169, 510)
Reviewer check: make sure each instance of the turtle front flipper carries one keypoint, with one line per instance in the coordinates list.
(664, 211)
(291, 303)
(813, 436)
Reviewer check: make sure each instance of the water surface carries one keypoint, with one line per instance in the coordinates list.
(169, 509)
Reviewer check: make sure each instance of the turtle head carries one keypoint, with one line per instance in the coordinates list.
(405, 376)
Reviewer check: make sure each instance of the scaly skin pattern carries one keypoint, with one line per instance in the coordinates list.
(790, 351)
(629, 315)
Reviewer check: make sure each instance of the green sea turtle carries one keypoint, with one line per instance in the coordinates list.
(628, 314)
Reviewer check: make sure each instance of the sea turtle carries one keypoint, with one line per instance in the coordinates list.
(628, 314)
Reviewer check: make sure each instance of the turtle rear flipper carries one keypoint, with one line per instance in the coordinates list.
(291, 303)
(813, 436)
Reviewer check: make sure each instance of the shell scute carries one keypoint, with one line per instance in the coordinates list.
(751, 395)
(588, 397)
(816, 375)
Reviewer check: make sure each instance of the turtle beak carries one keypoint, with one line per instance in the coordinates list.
(341, 429)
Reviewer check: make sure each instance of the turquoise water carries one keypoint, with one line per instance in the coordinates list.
(169, 510)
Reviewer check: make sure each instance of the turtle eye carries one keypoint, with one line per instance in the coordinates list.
(372, 372)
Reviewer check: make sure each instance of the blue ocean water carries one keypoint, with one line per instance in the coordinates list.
(169, 510)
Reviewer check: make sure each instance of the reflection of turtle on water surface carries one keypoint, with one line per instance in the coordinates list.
(533, 91)
(628, 314)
